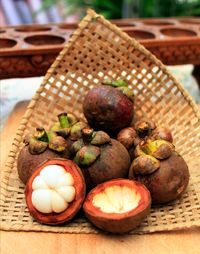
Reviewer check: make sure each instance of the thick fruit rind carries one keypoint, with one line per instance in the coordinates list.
(74, 206)
(116, 222)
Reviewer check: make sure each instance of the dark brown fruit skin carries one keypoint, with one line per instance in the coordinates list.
(107, 108)
(168, 182)
(115, 223)
(27, 162)
(114, 162)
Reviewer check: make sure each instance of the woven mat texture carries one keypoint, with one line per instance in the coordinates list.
(99, 50)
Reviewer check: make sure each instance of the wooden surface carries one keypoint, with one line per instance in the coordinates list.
(173, 242)
(22, 58)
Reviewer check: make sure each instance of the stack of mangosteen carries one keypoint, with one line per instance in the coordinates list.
(112, 167)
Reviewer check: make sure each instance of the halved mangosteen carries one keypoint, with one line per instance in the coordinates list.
(117, 206)
(55, 191)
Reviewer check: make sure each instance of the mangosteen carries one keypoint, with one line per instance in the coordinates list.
(37, 150)
(117, 206)
(162, 170)
(43, 145)
(109, 107)
(100, 157)
(55, 191)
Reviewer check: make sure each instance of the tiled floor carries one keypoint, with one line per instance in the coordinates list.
(15, 90)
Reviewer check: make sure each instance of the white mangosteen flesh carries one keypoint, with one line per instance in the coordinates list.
(53, 190)
(117, 199)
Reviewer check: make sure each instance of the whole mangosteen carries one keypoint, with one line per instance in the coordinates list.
(161, 169)
(36, 151)
(42, 145)
(100, 157)
(109, 107)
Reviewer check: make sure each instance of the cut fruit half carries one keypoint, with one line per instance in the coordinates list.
(117, 206)
(55, 192)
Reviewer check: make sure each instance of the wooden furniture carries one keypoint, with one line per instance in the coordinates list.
(176, 242)
(27, 51)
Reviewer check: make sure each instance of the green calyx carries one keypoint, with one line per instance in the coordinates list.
(86, 148)
(138, 151)
(115, 83)
(145, 164)
(66, 120)
(38, 141)
(63, 126)
(40, 134)
(143, 129)
(77, 145)
(36, 146)
(160, 149)
(63, 120)
(87, 134)
(55, 138)
(121, 85)
(63, 132)
(87, 155)
(60, 131)
(100, 138)
(76, 130)
(58, 144)
(127, 91)
(55, 127)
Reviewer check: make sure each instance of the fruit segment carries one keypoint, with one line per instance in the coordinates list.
(117, 199)
(53, 189)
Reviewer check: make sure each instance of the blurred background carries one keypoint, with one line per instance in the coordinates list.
(15, 12)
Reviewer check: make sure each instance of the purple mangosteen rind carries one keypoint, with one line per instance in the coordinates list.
(107, 108)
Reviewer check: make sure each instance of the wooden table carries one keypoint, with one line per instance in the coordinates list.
(174, 242)
(29, 50)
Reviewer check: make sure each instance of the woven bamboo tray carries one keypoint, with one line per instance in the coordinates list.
(99, 50)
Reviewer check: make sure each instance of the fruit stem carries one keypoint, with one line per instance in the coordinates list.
(143, 129)
(41, 135)
(88, 134)
(64, 121)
